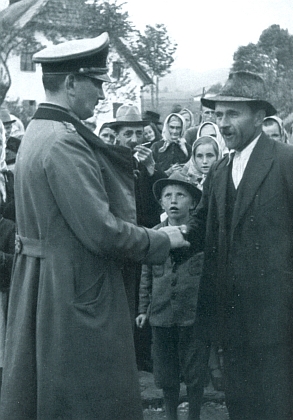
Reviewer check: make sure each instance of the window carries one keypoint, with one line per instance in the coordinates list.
(26, 62)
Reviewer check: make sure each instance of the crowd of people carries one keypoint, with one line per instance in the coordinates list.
(144, 244)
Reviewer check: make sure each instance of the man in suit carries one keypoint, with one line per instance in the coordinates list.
(245, 218)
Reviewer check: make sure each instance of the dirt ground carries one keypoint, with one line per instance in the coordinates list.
(210, 411)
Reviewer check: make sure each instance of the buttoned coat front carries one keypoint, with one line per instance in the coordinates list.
(168, 292)
(251, 271)
(69, 352)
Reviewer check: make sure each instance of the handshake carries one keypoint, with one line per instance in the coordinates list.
(176, 235)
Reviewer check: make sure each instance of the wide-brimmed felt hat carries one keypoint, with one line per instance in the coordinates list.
(179, 179)
(87, 57)
(242, 86)
(128, 115)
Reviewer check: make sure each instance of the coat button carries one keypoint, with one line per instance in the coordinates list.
(252, 218)
(257, 246)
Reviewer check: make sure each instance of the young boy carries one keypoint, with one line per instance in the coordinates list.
(168, 298)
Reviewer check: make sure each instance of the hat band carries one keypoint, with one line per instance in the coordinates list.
(100, 70)
(90, 70)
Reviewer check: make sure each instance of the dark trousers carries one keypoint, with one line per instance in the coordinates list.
(259, 382)
(177, 353)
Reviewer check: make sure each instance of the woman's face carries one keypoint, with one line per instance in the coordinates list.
(148, 133)
(187, 118)
(204, 157)
(208, 130)
(175, 128)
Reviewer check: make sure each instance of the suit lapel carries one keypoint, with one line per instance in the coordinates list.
(257, 168)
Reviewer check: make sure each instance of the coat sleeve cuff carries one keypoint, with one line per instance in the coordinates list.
(159, 247)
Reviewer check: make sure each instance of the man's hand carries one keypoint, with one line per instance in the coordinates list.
(173, 168)
(140, 320)
(176, 237)
(145, 156)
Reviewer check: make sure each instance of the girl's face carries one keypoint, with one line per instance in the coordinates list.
(148, 133)
(205, 156)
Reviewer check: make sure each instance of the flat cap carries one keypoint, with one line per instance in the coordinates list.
(87, 57)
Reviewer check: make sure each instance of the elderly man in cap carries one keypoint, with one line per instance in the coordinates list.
(129, 128)
(69, 351)
(245, 218)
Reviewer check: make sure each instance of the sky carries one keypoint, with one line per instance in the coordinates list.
(208, 32)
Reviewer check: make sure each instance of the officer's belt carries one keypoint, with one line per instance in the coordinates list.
(30, 247)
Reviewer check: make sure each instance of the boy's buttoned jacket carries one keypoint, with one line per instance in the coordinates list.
(168, 292)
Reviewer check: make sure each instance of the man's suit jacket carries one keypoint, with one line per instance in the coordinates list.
(247, 286)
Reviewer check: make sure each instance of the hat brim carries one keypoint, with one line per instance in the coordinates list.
(162, 183)
(211, 103)
(102, 77)
(116, 124)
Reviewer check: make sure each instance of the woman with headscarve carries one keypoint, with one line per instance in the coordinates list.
(274, 128)
(172, 151)
(209, 128)
(189, 118)
(205, 151)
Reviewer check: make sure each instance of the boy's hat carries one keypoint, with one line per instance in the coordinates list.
(86, 57)
(128, 115)
(179, 179)
(242, 86)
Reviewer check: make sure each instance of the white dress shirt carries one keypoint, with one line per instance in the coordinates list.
(240, 161)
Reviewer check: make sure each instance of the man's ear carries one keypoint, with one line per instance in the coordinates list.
(70, 81)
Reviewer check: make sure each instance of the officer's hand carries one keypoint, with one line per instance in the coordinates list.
(175, 235)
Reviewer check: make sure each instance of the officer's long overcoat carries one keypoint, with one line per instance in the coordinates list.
(69, 352)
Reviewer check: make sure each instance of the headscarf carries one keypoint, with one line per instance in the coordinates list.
(3, 166)
(190, 168)
(187, 111)
(167, 138)
(219, 138)
(279, 121)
